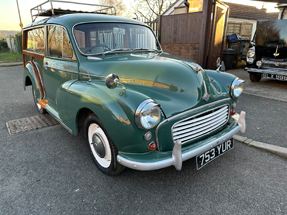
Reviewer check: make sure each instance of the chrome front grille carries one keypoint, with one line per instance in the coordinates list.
(199, 125)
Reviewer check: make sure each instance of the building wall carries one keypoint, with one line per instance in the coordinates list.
(254, 23)
(184, 50)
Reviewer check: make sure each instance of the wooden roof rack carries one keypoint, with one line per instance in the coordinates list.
(40, 11)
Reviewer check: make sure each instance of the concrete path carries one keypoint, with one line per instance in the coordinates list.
(11, 64)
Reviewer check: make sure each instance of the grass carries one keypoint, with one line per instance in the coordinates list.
(9, 57)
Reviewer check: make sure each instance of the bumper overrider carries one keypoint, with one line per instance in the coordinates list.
(158, 160)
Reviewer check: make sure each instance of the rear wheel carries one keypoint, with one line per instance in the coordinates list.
(39, 107)
(254, 77)
(101, 147)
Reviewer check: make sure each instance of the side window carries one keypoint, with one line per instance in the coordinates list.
(67, 49)
(58, 43)
(36, 40)
(55, 41)
(80, 37)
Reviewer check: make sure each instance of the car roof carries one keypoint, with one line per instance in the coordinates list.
(69, 20)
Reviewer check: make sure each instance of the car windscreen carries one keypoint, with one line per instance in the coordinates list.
(271, 33)
(271, 39)
(97, 38)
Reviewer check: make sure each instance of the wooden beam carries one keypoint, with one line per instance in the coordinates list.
(204, 31)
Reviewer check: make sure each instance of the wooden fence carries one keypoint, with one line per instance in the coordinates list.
(181, 28)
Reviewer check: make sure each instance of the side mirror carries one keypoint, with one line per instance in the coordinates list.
(112, 81)
(218, 64)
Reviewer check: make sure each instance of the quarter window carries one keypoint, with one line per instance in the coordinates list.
(58, 43)
(36, 40)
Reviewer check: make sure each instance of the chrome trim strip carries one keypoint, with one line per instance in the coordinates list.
(186, 113)
(64, 70)
(281, 63)
(94, 58)
(177, 156)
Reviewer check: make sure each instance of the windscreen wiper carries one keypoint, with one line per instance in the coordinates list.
(113, 51)
(145, 49)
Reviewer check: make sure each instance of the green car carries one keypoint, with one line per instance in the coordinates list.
(139, 107)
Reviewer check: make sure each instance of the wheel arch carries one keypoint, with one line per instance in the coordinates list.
(115, 113)
(28, 76)
(82, 115)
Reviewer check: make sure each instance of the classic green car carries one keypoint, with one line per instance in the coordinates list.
(139, 107)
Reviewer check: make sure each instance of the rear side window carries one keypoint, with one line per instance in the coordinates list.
(58, 43)
(36, 40)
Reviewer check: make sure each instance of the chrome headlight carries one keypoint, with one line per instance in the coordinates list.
(251, 55)
(148, 114)
(237, 87)
(259, 63)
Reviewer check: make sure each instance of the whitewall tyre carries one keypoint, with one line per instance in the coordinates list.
(101, 147)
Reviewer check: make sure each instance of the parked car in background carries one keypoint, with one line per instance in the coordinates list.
(267, 59)
(138, 106)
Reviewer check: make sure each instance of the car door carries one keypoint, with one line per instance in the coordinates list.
(60, 64)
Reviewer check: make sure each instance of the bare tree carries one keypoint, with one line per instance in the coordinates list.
(119, 5)
(150, 9)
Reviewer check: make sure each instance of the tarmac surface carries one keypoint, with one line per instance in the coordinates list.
(265, 103)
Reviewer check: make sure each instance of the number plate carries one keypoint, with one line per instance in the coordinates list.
(273, 76)
(210, 155)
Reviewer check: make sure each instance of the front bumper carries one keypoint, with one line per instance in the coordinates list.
(158, 160)
(273, 71)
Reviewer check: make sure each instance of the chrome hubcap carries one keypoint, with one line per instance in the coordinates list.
(98, 145)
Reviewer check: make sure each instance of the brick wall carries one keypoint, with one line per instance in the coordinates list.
(188, 51)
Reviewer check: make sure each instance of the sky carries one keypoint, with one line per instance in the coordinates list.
(10, 19)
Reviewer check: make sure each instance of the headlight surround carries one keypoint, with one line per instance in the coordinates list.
(148, 114)
(237, 87)
(251, 52)
(251, 55)
(259, 63)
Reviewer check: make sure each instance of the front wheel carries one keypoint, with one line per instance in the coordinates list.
(101, 147)
(39, 107)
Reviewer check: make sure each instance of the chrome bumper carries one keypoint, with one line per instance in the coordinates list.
(275, 71)
(177, 156)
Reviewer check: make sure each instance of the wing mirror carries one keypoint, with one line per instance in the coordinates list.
(112, 81)
(218, 64)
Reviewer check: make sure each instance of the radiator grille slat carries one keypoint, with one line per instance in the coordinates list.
(220, 111)
(200, 125)
(190, 125)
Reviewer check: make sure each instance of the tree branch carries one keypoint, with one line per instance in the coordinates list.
(150, 7)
